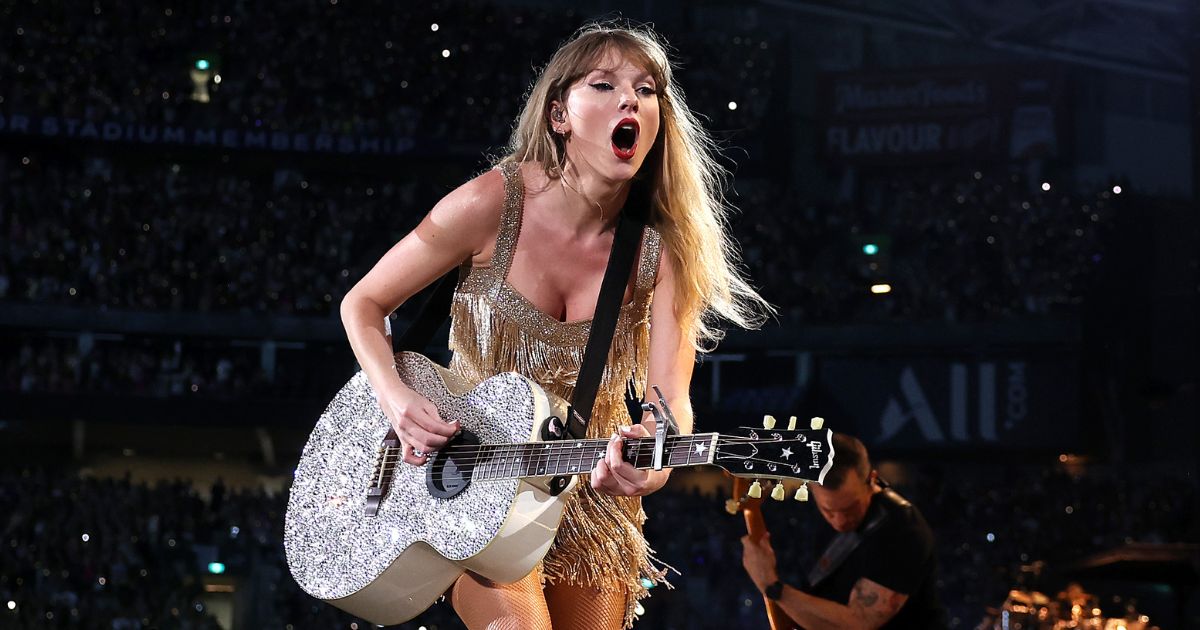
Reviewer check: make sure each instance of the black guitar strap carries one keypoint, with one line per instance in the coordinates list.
(604, 322)
(844, 544)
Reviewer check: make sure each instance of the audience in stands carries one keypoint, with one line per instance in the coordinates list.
(955, 245)
(82, 552)
(443, 73)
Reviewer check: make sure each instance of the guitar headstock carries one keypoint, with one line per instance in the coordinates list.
(770, 453)
(741, 497)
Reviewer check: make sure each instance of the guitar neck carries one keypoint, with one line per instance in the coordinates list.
(568, 457)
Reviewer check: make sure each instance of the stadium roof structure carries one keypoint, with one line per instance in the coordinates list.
(1146, 38)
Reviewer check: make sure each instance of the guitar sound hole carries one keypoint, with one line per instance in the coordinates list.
(449, 473)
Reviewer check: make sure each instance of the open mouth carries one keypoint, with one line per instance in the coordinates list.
(624, 138)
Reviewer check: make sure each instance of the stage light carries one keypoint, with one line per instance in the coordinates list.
(991, 537)
(881, 288)
(216, 78)
(1116, 190)
(12, 605)
(870, 249)
(202, 64)
(85, 537)
(433, 27)
(445, 53)
(1046, 186)
(732, 105)
(216, 568)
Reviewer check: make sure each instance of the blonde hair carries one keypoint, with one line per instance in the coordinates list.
(686, 182)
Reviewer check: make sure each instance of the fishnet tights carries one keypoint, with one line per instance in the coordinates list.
(525, 605)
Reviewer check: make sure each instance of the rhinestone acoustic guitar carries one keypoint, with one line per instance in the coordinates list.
(383, 540)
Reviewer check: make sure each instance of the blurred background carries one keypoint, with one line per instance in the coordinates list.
(978, 220)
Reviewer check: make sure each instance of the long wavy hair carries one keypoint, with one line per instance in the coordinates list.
(685, 180)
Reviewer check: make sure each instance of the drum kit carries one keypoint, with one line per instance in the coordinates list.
(1175, 566)
(1071, 609)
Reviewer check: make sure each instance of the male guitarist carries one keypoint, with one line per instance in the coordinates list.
(878, 570)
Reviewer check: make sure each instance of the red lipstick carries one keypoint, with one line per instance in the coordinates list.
(624, 138)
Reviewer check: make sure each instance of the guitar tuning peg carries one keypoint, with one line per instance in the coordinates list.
(816, 423)
(755, 491)
(768, 422)
(792, 423)
(778, 493)
(802, 493)
(731, 506)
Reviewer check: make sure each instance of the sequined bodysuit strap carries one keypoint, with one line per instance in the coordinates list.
(510, 226)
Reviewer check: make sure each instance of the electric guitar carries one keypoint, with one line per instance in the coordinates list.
(748, 501)
(383, 540)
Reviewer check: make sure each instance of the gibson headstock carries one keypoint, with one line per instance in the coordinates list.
(779, 454)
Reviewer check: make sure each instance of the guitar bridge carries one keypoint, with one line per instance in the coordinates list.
(388, 457)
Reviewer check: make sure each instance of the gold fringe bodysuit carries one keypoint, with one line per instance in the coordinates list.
(495, 329)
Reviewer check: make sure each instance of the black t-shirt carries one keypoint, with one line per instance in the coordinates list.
(899, 555)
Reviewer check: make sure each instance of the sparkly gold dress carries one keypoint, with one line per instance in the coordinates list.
(495, 329)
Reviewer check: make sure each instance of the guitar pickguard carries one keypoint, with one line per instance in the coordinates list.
(447, 475)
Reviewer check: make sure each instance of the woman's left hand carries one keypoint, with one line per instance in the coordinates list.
(617, 477)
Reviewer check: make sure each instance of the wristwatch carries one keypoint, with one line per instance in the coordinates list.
(774, 590)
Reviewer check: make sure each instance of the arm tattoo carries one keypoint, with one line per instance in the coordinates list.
(874, 603)
(863, 596)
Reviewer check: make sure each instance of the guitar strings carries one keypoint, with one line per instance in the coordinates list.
(496, 453)
(519, 456)
(493, 451)
(533, 448)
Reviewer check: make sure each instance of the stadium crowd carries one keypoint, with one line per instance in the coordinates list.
(435, 72)
(86, 552)
(956, 245)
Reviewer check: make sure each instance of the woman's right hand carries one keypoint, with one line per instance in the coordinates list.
(417, 423)
(460, 227)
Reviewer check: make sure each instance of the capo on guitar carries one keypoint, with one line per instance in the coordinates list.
(664, 421)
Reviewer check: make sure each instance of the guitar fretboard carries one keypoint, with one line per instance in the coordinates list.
(566, 457)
